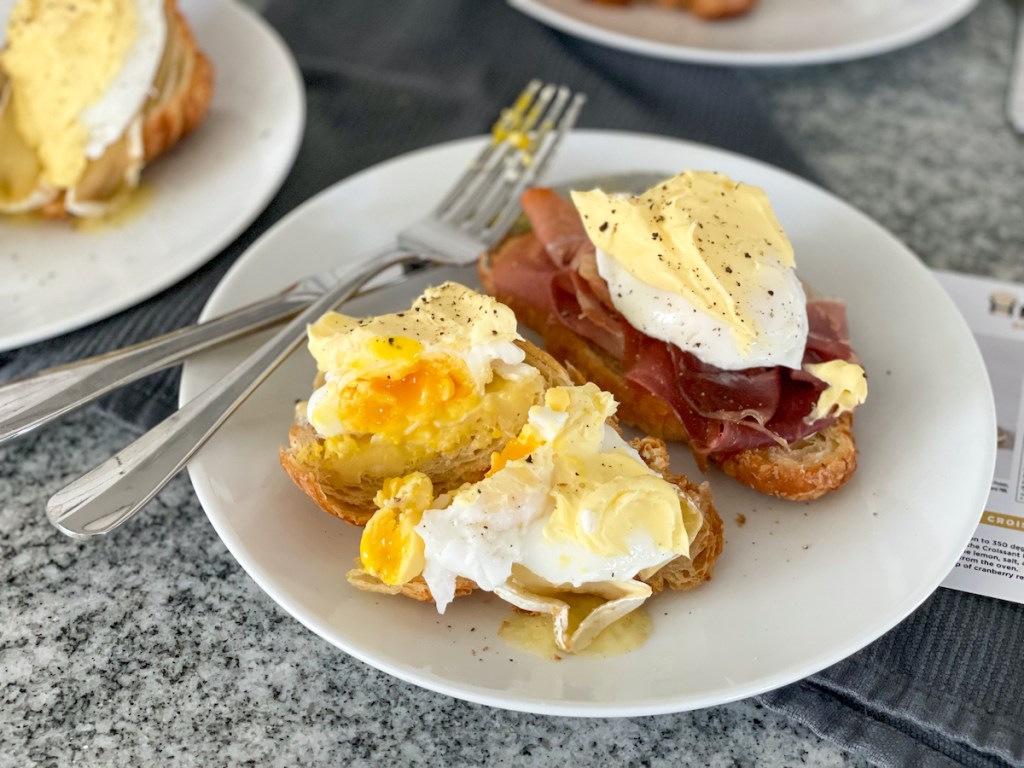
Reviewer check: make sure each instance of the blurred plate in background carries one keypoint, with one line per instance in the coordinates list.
(775, 32)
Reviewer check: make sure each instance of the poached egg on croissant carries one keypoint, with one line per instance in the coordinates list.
(567, 507)
(399, 388)
(700, 261)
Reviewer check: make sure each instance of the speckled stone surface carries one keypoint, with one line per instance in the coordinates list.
(154, 647)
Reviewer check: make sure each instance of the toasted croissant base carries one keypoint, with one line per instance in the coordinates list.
(177, 114)
(685, 572)
(711, 9)
(806, 470)
(354, 503)
(802, 472)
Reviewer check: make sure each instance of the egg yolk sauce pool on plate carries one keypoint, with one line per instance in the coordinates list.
(568, 509)
(700, 261)
(445, 377)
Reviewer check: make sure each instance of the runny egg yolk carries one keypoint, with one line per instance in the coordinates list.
(418, 390)
(518, 448)
(389, 548)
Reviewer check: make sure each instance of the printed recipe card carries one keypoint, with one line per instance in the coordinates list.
(993, 563)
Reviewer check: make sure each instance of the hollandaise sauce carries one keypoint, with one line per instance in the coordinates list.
(130, 205)
(702, 262)
(534, 633)
(48, 40)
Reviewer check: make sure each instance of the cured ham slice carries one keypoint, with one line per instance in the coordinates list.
(552, 272)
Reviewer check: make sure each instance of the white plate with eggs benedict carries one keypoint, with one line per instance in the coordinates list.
(771, 33)
(798, 586)
(57, 274)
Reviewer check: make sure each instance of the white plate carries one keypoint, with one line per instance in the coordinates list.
(797, 588)
(776, 32)
(54, 278)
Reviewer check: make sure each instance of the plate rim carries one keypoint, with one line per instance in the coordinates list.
(177, 271)
(540, 11)
(539, 705)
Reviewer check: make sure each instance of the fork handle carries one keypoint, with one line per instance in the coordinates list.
(36, 399)
(110, 494)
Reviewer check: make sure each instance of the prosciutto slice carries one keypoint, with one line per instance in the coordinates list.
(723, 411)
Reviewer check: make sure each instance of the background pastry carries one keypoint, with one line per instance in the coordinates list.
(90, 93)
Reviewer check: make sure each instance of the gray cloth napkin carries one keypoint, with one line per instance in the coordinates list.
(385, 78)
(945, 687)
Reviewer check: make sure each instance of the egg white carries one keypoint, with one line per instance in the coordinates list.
(499, 522)
(107, 119)
(778, 306)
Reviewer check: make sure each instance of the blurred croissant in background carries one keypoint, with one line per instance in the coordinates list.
(90, 93)
(706, 9)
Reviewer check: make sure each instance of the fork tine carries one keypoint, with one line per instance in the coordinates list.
(488, 198)
(513, 131)
(507, 121)
(496, 196)
(532, 117)
(484, 179)
(548, 142)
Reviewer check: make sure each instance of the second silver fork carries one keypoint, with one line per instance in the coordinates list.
(478, 211)
(38, 398)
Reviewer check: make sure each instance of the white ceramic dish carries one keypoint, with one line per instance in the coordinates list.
(798, 586)
(776, 32)
(54, 277)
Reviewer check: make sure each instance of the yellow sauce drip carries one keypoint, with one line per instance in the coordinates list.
(847, 388)
(534, 633)
(128, 207)
(27, 219)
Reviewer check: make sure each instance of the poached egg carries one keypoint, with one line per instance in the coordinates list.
(434, 378)
(74, 78)
(701, 261)
(567, 507)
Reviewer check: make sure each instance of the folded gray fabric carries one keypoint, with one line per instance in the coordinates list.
(943, 688)
(384, 78)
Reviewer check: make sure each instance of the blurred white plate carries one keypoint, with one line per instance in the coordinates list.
(798, 587)
(54, 277)
(775, 32)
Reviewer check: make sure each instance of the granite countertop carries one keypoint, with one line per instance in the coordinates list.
(152, 646)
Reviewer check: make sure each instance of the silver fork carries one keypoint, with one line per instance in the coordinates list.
(36, 399)
(477, 212)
